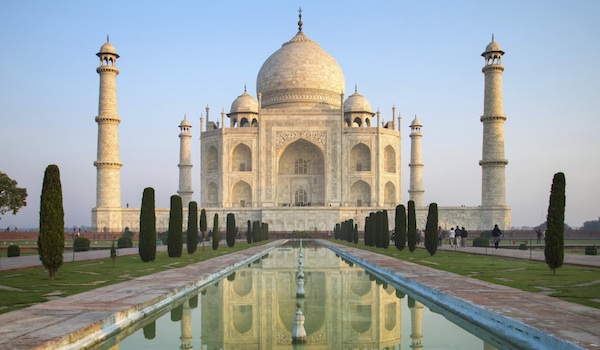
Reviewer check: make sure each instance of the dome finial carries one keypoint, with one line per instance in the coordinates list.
(355, 88)
(244, 87)
(107, 38)
(300, 19)
(492, 36)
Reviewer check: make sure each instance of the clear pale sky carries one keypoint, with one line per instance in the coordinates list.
(423, 56)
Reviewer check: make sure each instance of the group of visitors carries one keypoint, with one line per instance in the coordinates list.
(457, 236)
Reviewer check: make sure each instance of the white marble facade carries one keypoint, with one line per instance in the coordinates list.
(302, 155)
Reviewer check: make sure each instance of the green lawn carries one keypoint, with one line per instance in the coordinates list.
(571, 283)
(23, 288)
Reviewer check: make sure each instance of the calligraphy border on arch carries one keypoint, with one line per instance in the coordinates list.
(282, 137)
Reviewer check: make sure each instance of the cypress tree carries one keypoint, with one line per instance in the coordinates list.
(554, 250)
(355, 235)
(215, 236)
(51, 241)
(231, 230)
(379, 229)
(192, 231)
(412, 227)
(385, 230)
(249, 233)
(350, 230)
(175, 237)
(147, 244)
(255, 231)
(431, 234)
(366, 233)
(400, 227)
(203, 226)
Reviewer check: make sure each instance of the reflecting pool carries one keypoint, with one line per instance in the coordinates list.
(344, 307)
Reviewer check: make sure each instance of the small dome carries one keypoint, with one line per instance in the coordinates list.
(244, 103)
(493, 46)
(416, 123)
(357, 103)
(108, 48)
(185, 123)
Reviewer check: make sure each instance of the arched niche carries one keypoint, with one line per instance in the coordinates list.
(301, 167)
(241, 158)
(389, 159)
(360, 158)
(360, 194)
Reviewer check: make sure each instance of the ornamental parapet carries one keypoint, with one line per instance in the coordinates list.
(100, 164)
(496, 162)
(489, 118)
(107, 69)
(493, 67)
(108, 120)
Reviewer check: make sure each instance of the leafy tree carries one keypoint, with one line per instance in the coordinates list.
(249, 232)
(203, 226)
(51, 241)
(192, 231)
(231, 230)
(555, 234)
(147, 244)
(175, 238)
(12, 198)
(431, 234)
(400, 227)
(412, 227)
(215, 235)
(591, 225)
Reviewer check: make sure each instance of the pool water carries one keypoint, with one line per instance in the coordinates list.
(344, 306)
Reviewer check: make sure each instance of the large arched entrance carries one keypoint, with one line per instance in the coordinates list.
(301, 175)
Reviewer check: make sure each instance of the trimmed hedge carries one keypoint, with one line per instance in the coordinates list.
(523, 246)
(81, 244)
(124, 242)
(591, 250)
(481, 242)
(13, 250)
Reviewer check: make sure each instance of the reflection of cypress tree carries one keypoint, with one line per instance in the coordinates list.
(231, 277)
(177, 313)
(411, 301)
(150, 330)
(400, 294)
(194, 302)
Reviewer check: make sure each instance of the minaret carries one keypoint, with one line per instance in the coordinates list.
(107, 214)
(185, 163)
(493, 163)
(416, 164)
(416, 324)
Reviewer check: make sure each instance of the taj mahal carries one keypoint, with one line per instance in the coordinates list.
(302, 155)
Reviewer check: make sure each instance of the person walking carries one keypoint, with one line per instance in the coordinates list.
(440, 236)
(496, 234)
(451, 234)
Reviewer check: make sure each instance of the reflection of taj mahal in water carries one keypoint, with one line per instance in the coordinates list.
(300, 155)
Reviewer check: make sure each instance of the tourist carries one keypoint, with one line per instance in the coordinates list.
(440, 236)
(451, 236)
(463, 237)
(496, 234)
(539, 235)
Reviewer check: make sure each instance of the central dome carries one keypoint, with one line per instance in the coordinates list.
(300, 75)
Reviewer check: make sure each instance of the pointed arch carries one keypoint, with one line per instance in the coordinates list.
(301, 165)
(389, 159)
(212, 160)
(241, 194)
(212, 195)
(360, 194)
(241, 158)
(389, 194)
(360, 158)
